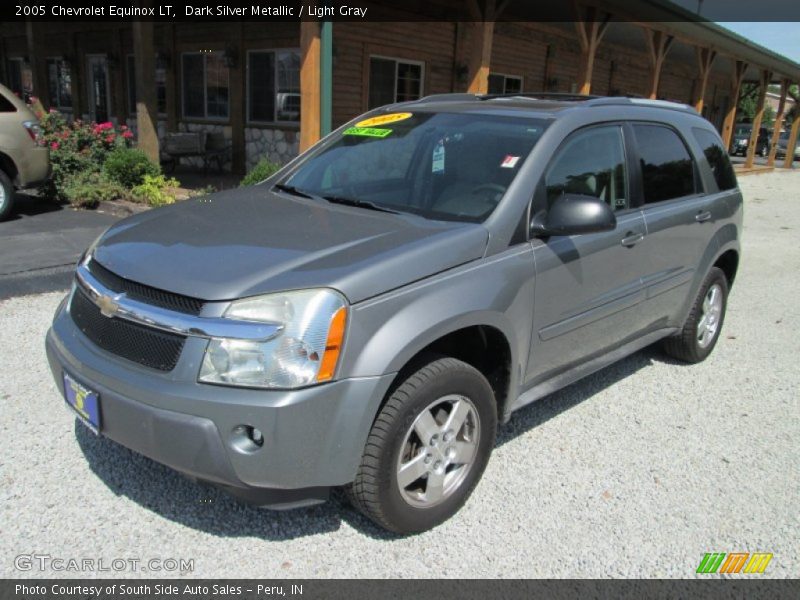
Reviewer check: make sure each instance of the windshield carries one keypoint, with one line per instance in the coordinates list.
(744, 130)
(443, 166)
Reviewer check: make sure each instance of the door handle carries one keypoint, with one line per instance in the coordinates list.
(632, 239)
(702, 216)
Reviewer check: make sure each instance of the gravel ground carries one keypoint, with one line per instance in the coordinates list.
(636, 471)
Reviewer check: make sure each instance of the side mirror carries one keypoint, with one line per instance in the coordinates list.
(572, 214)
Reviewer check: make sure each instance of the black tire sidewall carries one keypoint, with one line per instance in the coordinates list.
(8, 188)
(716, 276)
(462, 381)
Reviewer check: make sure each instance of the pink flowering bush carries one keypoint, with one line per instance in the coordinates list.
(77, 149)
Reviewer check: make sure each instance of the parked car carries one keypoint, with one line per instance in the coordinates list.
(783, 144)
(741, 140)
(23, 162)
(367, 316)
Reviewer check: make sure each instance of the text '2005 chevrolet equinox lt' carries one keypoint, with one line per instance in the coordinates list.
(368, 315)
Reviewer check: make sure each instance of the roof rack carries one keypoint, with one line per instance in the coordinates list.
(565, 97)
(585, 99)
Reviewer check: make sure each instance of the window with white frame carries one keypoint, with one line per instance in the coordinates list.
(59, 83)
(273, 86)
(206, 85)
(394, 80)
(20, 77)
(161, 87)
(504, 84)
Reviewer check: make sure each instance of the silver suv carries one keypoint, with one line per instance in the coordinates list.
(366, 317)
(23, 162)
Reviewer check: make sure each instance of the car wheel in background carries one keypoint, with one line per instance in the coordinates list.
(427, 448)
(702, 329)
(6, 196)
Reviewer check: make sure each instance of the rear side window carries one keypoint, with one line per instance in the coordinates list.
(6, 106)
(667, 167)
(717, 158)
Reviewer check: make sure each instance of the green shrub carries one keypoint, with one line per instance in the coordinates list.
(88, 189)
(129, 166)
(259, 173)
(155, 190)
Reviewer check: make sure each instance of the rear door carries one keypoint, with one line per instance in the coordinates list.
(678, 215)
(588, 287)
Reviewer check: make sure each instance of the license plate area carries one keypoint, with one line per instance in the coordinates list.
(84, 402)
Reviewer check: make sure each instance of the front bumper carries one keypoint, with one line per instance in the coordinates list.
(313, 437)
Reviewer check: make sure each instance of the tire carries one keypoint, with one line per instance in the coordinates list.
(440, 385)
(6, 196)
(695, 341)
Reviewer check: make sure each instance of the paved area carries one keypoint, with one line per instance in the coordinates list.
(41, 242)
(636, 471)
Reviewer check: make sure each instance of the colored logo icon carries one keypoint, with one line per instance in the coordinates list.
(735, 562)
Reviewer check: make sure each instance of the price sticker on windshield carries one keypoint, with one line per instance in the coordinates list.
(384, 119)
(367, 132)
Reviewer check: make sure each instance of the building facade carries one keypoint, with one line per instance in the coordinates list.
(251, 81)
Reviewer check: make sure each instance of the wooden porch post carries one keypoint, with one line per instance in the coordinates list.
(480, 55)
(730, 118)
(590, 32)
(787, 162)
(38, 64)
(309, 84)
(146, 108)
(705, 60)
(776, 126)
(766, 76)
(658, 44)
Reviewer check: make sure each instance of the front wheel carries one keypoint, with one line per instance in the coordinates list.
(702, 329)
(427, 448)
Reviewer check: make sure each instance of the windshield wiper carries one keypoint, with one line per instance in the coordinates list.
(295, 191)
(359, 204)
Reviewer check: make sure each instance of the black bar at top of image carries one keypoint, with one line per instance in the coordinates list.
(171, 11)
(418, 589)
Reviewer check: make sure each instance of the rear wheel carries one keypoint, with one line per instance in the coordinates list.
(701, 331)
(427, 449)
(6, 196)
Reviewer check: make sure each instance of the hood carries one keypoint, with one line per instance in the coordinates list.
(252, 241)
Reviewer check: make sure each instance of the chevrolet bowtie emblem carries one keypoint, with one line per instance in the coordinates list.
(108, 305)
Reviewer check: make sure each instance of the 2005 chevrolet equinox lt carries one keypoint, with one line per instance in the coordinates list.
(366, 317)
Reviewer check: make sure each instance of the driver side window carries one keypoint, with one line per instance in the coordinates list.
(592, 163)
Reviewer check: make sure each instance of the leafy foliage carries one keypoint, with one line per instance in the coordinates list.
(87, 189)
(260, 172)
(129, 166)
(156, 190)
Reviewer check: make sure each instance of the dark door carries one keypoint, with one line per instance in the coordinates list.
(588, 287)
(98, 88)
(678, 216)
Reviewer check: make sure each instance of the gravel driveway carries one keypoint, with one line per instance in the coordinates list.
(636, 471)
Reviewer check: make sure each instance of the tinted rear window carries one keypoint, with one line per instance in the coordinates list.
(6, 105)
(717, 159)
(667, 167)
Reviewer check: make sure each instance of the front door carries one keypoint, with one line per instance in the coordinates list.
(588, 291)
(99, 96)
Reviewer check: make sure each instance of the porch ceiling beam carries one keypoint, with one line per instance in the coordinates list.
(145, 70)
(591, 25)
(310, 87)
(776, 128)
(792, 143)
(739, 69)
(480, 54)
(705, 60)
(658, 44)
(766, 77)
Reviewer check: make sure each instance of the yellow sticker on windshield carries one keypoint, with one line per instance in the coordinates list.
(384, 119)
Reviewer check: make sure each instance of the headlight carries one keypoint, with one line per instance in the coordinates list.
(306, 351)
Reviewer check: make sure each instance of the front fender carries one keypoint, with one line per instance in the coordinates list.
(388, 331)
